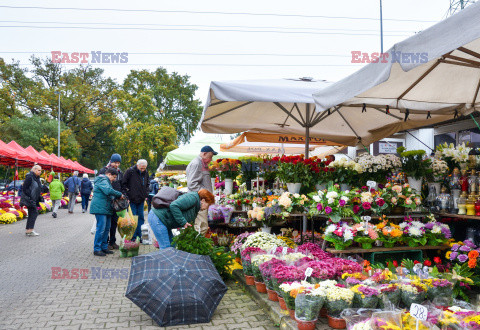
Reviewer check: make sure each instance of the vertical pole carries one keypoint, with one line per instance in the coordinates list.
(59, 124)
(381, 28)
(307, 131)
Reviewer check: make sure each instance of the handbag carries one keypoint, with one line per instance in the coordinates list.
(165, 197)
(120, 204)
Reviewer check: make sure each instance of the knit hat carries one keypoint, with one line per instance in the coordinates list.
(85, 175)
(116, 158)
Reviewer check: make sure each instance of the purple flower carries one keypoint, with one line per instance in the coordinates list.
(319, 207)
(429, 225)
(462, 258)
(455, 247)
(341, 202)
(446, 232)
(469, 243)
(465, 248)
(453, 256)
(328, 210)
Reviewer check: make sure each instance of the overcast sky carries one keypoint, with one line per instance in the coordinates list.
(317, 36)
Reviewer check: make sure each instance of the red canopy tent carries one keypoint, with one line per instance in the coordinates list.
(40, 159)
(8, 156)
(61, 162)
(57, 165)
(23, 155)
(83, 168)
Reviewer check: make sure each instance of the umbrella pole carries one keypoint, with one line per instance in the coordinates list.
(307, 131)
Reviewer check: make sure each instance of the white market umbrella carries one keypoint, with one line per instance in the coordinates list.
(283, 106)
(384, 98)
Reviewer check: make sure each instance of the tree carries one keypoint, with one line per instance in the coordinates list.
(161, 97)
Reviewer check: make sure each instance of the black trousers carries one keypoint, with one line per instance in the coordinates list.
(113, 228)
(32, 216)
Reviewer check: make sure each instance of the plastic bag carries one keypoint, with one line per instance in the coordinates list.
(386, 319)
(127, 225)
(94, 227)
(307, 307)
(356, 318)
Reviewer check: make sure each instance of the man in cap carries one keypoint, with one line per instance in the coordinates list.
(115, 161)
(198, 177)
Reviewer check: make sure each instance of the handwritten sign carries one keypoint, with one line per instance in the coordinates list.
(419, 312)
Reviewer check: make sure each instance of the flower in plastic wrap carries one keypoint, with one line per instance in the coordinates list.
(264, 241)
(338, 299)
(126, 226)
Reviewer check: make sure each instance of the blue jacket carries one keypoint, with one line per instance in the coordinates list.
(103, 194)
(71, 182)
(86, 186)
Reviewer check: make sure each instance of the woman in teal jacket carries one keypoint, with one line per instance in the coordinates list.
(101, 206)
(56, 192)
(181, 213)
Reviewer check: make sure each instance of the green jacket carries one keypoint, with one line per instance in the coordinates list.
(103, 194)
(56, 189)
(182, 210)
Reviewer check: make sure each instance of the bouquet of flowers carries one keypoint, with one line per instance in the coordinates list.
(287, 289)
(401, 195)
(453, 156)
(437, 233)
(413, 292)
(365, 234)
(250, 166)
(462, 252)
(292, 169)
(438, 288)
(372, 200)
(269, 168)
(413, 233)
(414, 164)
(257, 260)
(346, 171)
(378, 168)
(292, 203)
(229, 168)
(320, 172)
(338, 299)
(389, 293)
(264, 241)
(308, 304)
(334, 203)
(365, 296)
(340, 235)
(439, 170)
(247, 259)
(389, 233)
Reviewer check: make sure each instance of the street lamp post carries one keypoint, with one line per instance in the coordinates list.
(58, 139)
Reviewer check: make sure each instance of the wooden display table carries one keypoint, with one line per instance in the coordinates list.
(384, 249)
(458, 216)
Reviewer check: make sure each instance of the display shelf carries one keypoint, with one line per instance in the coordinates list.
(390, 217)
(383, 249)
(458, 216)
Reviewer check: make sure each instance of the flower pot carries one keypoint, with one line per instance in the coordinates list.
(323, 312)
(415, 184)
(294, 188)
(250, 280)
(367, 246)
(228, 186)
(261, 287)
(282, 303)
(292, 313)
(272, 295)
(267, 229)
(336, 323)
(345, 187)
(123, 253)
(322, 186)
(388, 245)
(306, 325)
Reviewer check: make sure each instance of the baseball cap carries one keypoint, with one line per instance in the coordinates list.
(208, 149)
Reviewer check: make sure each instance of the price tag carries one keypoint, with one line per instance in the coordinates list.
(419, 312)
(371, 184)
(308, 272)
(284, 251)
(366, 218)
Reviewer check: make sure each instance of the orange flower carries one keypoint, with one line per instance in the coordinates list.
(224, 161)
(472, 263)
(294, 292)
(396, 232)
(366, 263)
(473, 254)
(381, 225)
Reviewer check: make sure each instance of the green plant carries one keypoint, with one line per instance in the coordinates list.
(190, 241)
(413, 163)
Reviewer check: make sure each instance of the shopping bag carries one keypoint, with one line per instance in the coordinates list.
(127, 225)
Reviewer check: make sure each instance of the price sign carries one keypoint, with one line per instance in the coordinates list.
(419, 312)
(371, 184)
(284, 251)
(308, 272)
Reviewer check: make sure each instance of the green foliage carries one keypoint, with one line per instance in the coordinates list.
(413, 163)
(190, 241)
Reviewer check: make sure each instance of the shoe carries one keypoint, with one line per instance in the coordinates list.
(32, 233)
(83, 211)
(110, 247)
(99, 253)
(54, 215)
(70, 211)
(115, 246)
(107, 251)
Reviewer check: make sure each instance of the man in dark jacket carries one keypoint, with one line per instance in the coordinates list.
(136, 185)
(31, 197)
(72, 184)
(115, 161)
(86, 188)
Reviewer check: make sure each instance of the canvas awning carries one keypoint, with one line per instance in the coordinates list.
(431, 77)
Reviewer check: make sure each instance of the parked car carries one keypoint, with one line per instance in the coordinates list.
(3, 184)
(15, 186)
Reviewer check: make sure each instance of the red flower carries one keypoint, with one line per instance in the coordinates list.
(356, 209)
(380, 202)
(427, 263)
(395, 263)
(366, 206)
(416, 262)
(437, 260)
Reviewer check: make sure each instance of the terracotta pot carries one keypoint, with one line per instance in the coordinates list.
(323, 312)
(238, 260)
(261, 287)
(250, 280)
(282, 303)
(272, 295)
(306, 325)
(292, 313)
(335, 323)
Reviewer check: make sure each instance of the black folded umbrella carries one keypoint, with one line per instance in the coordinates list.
(175, 287)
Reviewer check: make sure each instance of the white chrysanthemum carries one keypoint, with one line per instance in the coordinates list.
(414, 231)
(331, 194)
(317, 198)
(330, 229)
(331, 201)
(347, 235)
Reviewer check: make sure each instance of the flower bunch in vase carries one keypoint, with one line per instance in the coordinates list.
(338, 299)
(378, 168)
(292, 203)
(414, 233)
(321, 173)
(269, 168)
(365, 234)
(247, 259)
(413, 292)
(389, 234)
(414, 163)
(334, 203)
(292, 169)
(228, 168)
(461, 252)
(249, 169)
(389, 293)
(346, 171)
(439, 170)
(438, 288)
(340, 235)
(401, 196)
(453, 156)
(365, 296)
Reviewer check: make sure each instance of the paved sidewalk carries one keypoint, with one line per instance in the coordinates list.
(31, 299)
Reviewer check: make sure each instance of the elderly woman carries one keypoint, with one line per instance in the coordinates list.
(181, 213)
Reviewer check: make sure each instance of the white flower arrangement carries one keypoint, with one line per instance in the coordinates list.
(370, 163)
(292, 257)
(264, 241)
(458, 153)
(259, 259)
(439, 168)
(336, 293)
